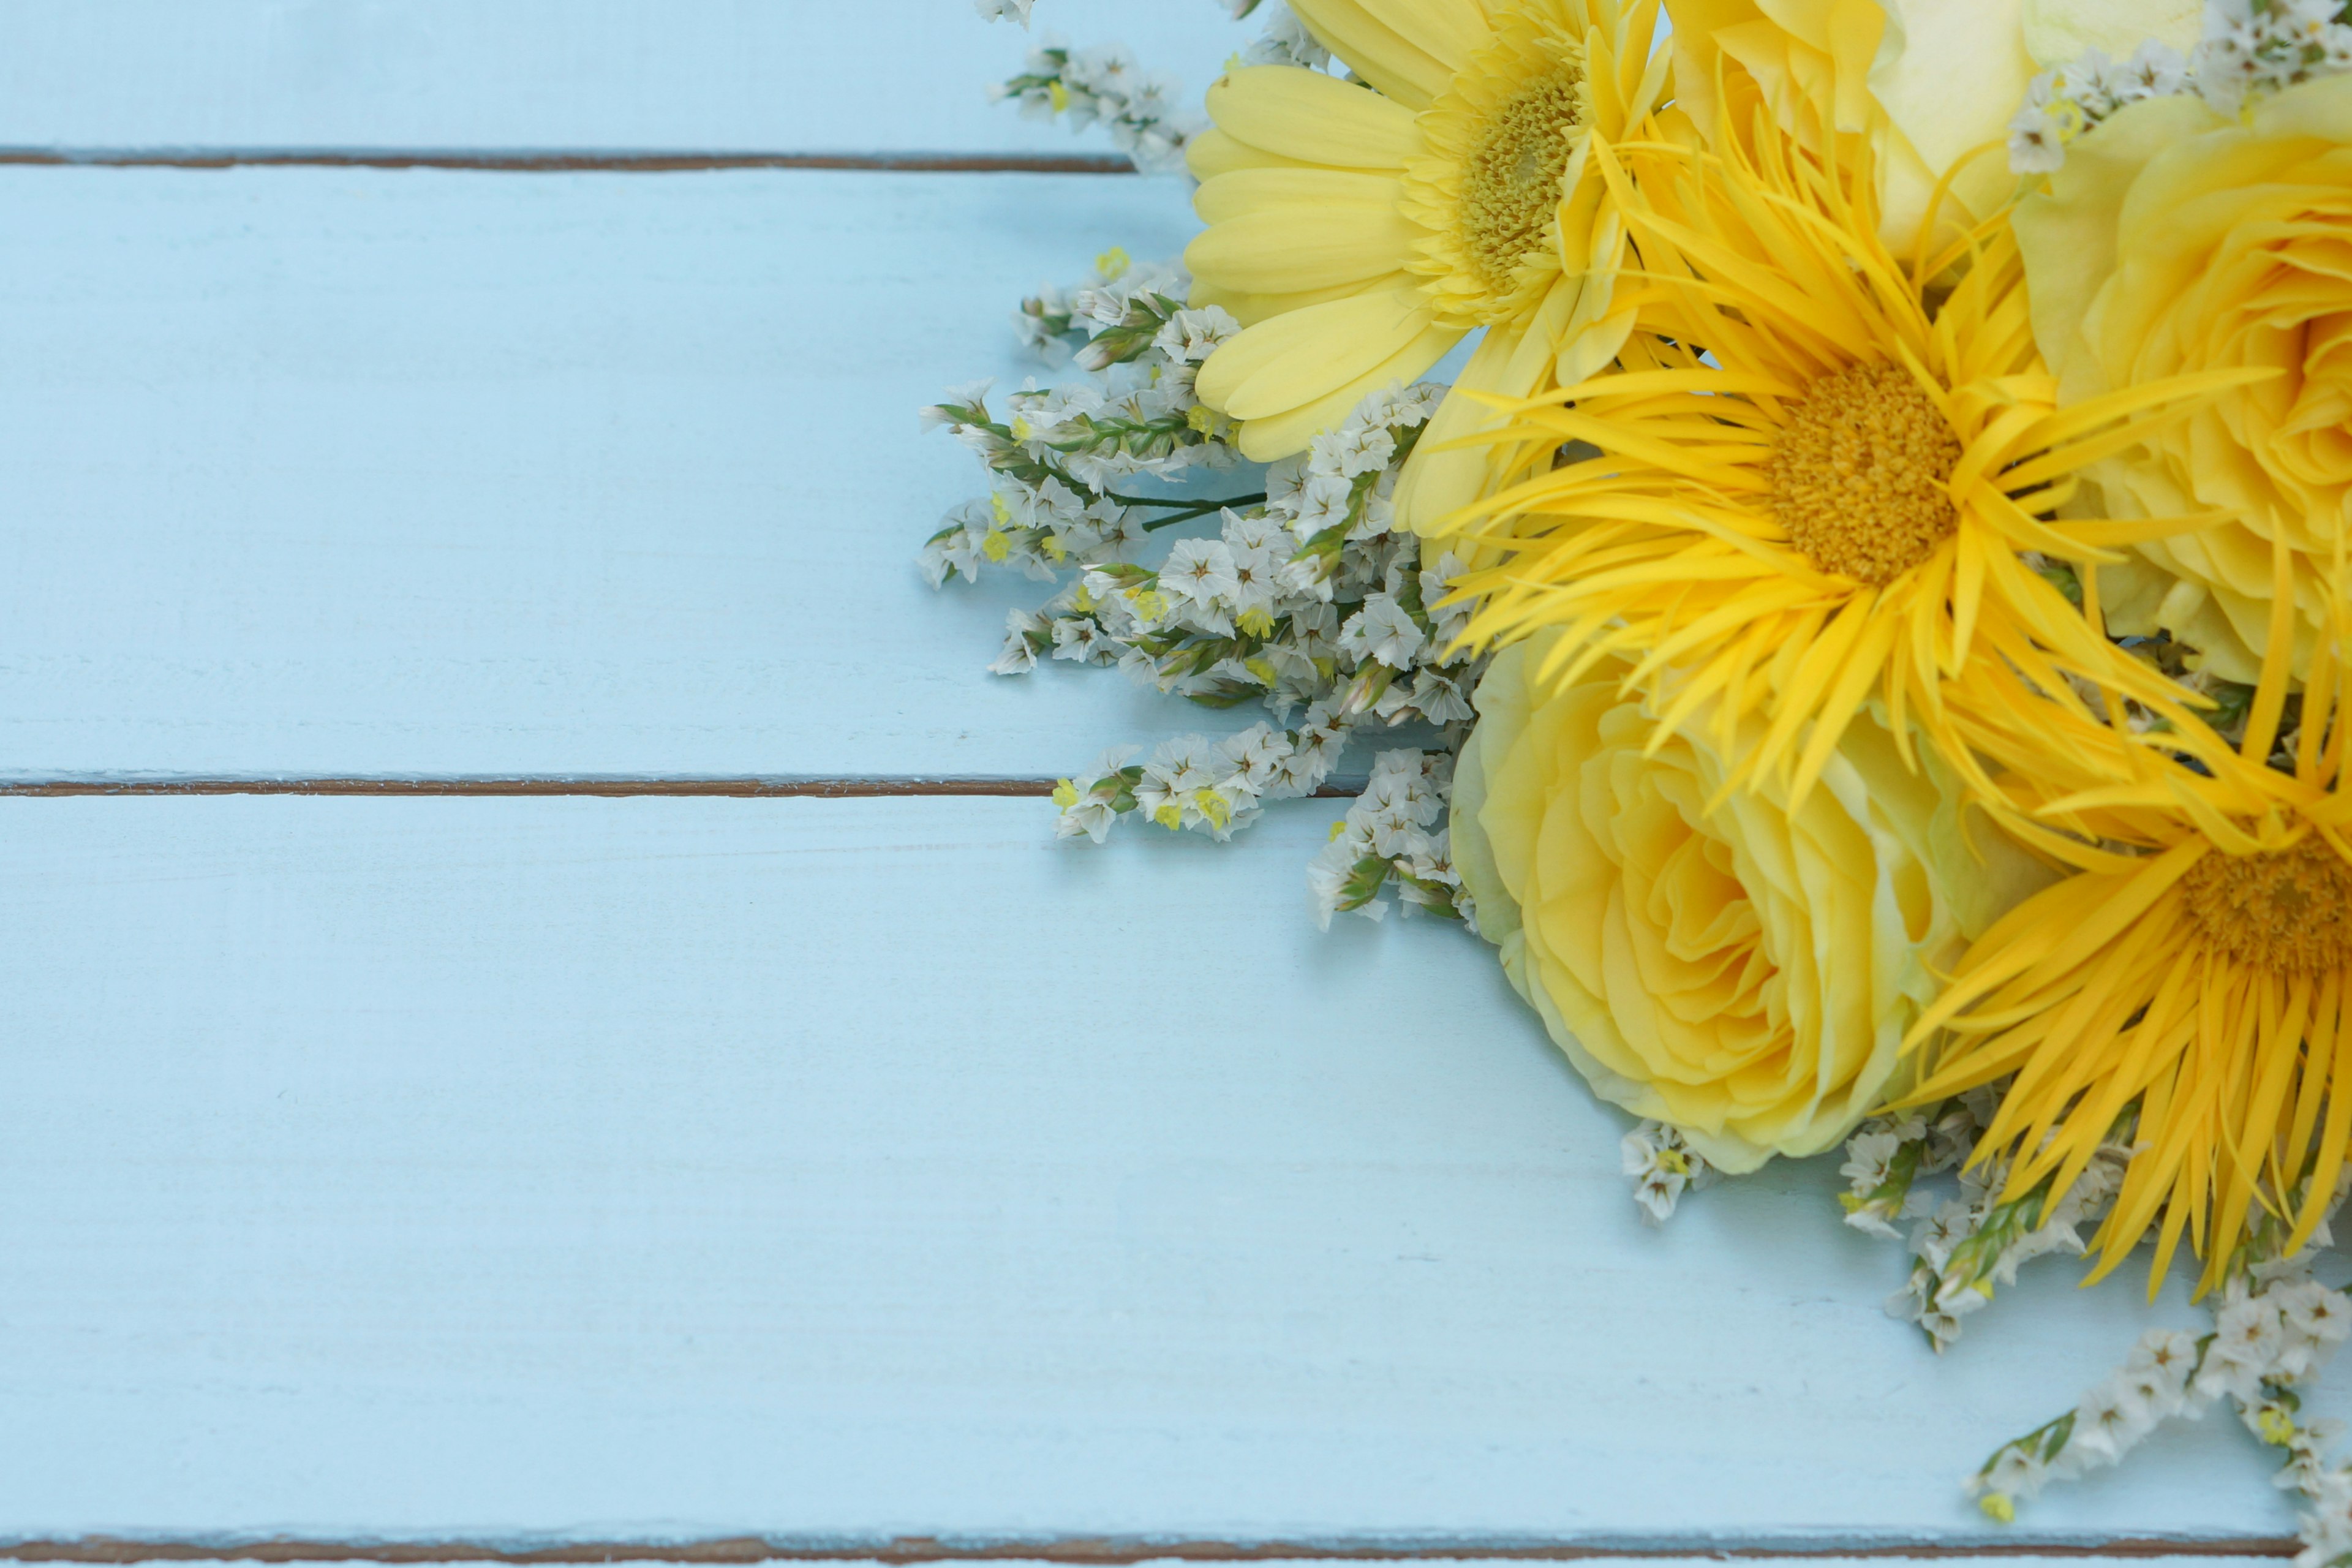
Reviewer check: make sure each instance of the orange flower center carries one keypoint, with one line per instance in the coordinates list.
(1858, 474)
(2290, 911)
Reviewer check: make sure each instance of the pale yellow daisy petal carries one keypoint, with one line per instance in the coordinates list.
(1302, 196)
(1314, 118)
(1448, 31)
(1395, 65)
(1274, 435)
(1299, 357)
(1249, 310)
(1509, 362)
(1212, 152)
(1282, 252)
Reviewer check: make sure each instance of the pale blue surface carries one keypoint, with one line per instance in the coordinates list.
(694, 76)
(580, 1169)
(858, 1168)
(355, 472)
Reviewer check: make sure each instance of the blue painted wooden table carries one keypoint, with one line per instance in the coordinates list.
(399, 1162)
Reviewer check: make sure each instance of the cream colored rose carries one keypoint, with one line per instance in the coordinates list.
(1746, 974)
(1927, 81)
(2175, 240)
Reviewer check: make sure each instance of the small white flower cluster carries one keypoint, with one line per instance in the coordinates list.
(1195, 782)
(997, 10)
(2248, 47)
(1054, 457)
(1394, 832)
(1886, 1154)
(1963, 1246)
(1308, 596)
(1143, 112)
(2062, 104)
(1662, 1166)
(1285, 42)
(2274, 1327)
(2253, 47)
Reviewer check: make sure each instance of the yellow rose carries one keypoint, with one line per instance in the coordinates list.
(1746, 974)
(1927, 81)
(2175, 240)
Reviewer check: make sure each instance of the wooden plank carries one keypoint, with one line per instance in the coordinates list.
(698, 76)
(840, 1171)
(1130, 1555)
(350, 472)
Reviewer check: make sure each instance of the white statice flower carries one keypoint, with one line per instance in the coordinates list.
(1379, 508)
(2163, 1361)
(1257, 754)
(1446, 622)
(1663, 1167)
(1199, 577)
(2154, 70)
(1323, 501)
(2037, 140)
(1439, 698)
(2111, 1419)
(1089, 801)
(1082, 638)
(1193, 336)
(1330, 879)
(1286, 42)
(1382, 630)
(959, 548)
(1020, 655)
(996, 10)
(2016, 1473)
(1354, 448)
(971, 394)
(1869, 1158)
(1044, 326)
(1178, 774)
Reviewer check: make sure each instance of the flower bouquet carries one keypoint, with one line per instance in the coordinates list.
(1860, 629)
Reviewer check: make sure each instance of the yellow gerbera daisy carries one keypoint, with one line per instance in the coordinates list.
(1819, 470)
(1358, 234)
(2193, 983)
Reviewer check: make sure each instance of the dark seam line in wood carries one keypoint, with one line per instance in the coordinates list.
(606, 789)
(563, 162)
(1083, 1551)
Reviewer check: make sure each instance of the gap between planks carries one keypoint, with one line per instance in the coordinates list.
(1082, 1552)
(607, 789)
(566, 163)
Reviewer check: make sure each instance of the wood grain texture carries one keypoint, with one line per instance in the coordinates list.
(839, 1171)
(349, 472)
(696, 76)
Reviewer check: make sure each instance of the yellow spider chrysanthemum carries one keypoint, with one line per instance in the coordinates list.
(1819, 470)
(1358, 234)
(2193, 983)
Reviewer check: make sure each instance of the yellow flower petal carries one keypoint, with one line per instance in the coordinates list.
(1746, 971)
(1302, 195)
(1249, 310)
(1212, 152)
(1273, 435)
(2058, 32)
(1272, 252)
(1393, 61)
(1314, 118)
(1448, 31)
(1301, 356)
(1950, 74)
